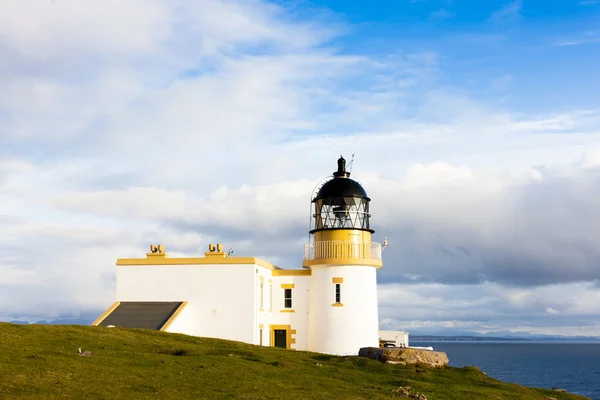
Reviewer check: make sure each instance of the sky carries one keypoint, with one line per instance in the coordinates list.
(475, 129)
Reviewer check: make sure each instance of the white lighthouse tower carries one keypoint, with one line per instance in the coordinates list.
(343, 261)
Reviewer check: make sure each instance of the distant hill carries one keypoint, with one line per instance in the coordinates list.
(63, 321)
(449, 334)
(465, 338)
(42, 361)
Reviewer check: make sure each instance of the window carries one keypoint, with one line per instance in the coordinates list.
(262, 294)
(260, 337)
(337, 294)
(287, 298)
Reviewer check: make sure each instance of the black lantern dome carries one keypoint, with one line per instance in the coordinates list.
(341, 203)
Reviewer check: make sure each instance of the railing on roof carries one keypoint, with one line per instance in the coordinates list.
(342, 249)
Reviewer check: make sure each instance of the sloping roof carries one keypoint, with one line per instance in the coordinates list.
(141, 314)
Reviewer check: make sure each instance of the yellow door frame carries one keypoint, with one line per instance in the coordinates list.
(289, 340)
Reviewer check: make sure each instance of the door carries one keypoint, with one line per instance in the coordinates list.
(280, 338)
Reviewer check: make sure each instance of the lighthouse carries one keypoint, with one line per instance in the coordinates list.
(327, 306)
(343, 261)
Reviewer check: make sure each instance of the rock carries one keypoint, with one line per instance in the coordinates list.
(406, 356)
(559, 390)
(405, 392)
(402, 391)
(550, 398)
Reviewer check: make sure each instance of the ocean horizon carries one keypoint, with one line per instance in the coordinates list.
(571, 365)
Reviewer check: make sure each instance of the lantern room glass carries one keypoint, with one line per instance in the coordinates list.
(341, 212)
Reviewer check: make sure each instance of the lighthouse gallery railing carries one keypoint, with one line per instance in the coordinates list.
(342, 249)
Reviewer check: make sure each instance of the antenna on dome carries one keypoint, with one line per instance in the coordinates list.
(351, 164)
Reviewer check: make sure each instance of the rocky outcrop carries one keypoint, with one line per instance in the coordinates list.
(406, 356)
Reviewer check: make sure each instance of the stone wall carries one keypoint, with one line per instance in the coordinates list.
(406, 356)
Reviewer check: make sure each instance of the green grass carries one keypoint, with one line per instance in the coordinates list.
(41, 361)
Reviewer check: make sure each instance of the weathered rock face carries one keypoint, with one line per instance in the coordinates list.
(405, 356)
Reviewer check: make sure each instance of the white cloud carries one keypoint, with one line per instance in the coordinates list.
(135, 202)
(11, 275)
(436, 174)
(575, 42)
(45, 30)
(490, 307)
(126, 28)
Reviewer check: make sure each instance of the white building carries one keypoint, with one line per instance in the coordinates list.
(329, 306)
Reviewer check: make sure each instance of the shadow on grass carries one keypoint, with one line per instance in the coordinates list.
(175, 352)
(323, 357)
(279, 364)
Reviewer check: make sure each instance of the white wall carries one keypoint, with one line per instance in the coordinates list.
(263, 316)
(343, 330)
(298, 320)
(219, 296)
(184, 323)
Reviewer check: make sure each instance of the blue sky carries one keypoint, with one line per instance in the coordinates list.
(475, 128)
(518, 48)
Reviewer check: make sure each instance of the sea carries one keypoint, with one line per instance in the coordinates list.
(574, 366)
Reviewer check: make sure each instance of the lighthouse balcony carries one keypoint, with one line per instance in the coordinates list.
(342, 252)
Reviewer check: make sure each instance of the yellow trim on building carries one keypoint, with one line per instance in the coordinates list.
(215, 254)
(211, 258)
(352, 235)
(262, 278)
(261, 309)
(337, 305)
(337, 280)
(106, 313)
(261, 326)
(173, 317)
(287, 310)
(291, 272)
(287, 285)
(343, 261)
(289, 340)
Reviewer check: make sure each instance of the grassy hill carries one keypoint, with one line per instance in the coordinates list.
(42, 362)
